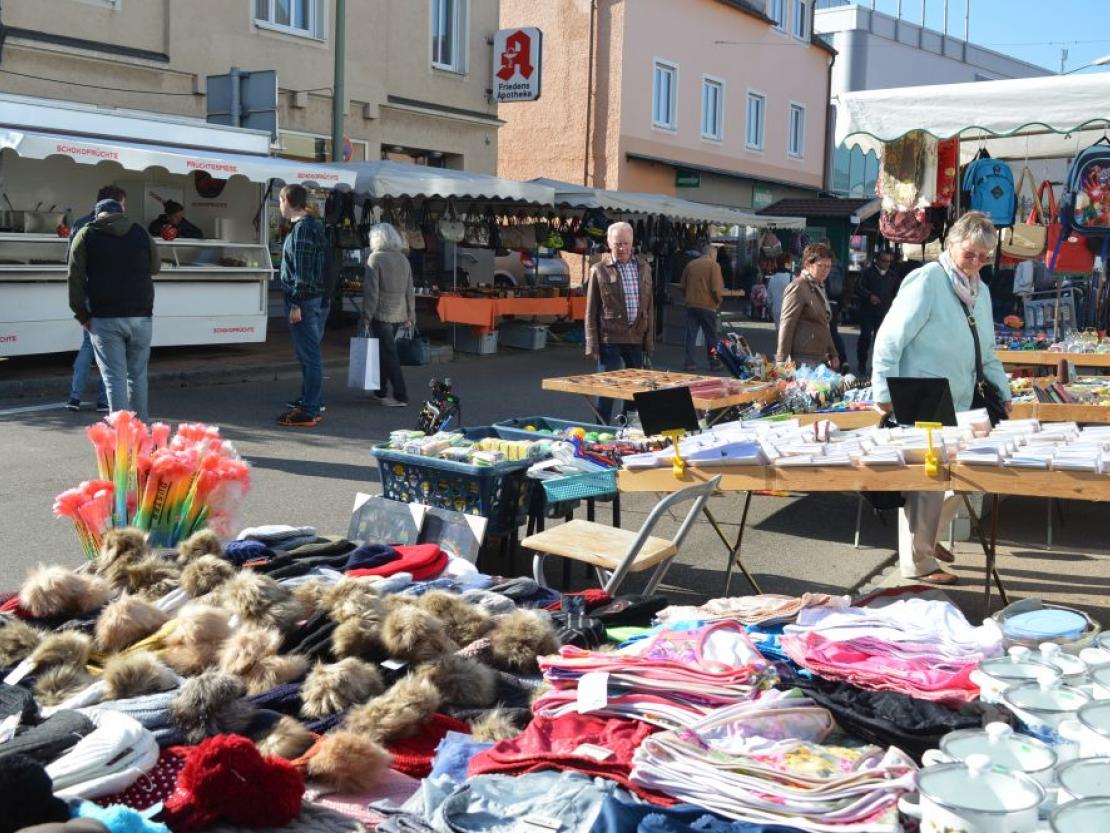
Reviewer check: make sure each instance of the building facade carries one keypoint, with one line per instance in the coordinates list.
(417, 71)
(876, 51)
(722, 102)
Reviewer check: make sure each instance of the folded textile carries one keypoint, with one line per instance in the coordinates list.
(454, 753)
(619, 815)
(50, 739)
(526, 592)
(764, 609)
(323, 545)
(392, 786)
(489, 601)
(270, 533)
(422, 561)
(240, 552)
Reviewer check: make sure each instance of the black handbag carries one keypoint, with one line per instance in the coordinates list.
(986, 394)
(885, 501)
(413, 350)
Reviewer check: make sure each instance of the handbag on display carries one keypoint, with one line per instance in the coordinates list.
(512, 236)
(948, 165)
(476, 233)
(905, 226)
(346, 232)
(450, 227)
(1023, 241)
(411, 229)
(413, 349)
(1065, 251)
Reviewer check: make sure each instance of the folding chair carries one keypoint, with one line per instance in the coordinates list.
(614, 552)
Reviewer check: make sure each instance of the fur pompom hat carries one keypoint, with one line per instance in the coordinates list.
(17, 641)
(252, 655)
(204, 573)
(260, 601)
(211, 704)
(27, 795)
(204, 542)
(56, 592)
(399, 713)
(194, 639)
(133, 675)
(520, 637)
(289, 739)
(330, 689)
(460, 681)
(126, 621)
(346, 761)
(353, 598)
(463, 622)
(415, 635)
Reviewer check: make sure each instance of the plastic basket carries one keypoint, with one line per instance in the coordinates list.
(496, 493)
(513, 429)
(578, 486)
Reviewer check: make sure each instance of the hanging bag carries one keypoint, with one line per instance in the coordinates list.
(1065, 250)
(450, 227)
(411, 231)
(1023, 241)
(900, 226)
(413, 349)
(363, 368)
(477, 232)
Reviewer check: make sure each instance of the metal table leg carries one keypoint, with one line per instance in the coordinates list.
(734, 560)
(990, 549)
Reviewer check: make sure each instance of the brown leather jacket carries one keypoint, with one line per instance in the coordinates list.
(804, 333)
(606, 314)
(702, 283)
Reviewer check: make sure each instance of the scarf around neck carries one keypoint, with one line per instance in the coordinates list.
(820, 289)
(966, 287)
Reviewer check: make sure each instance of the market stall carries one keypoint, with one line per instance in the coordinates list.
(54, 158)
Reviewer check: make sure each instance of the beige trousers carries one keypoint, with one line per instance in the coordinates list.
(920, 524)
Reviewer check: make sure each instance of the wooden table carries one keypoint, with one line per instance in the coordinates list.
(1062, 412)
(844, 420)
(1047, 358)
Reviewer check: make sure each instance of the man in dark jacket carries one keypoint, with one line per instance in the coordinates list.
(874, 293)
(112, 261)
(171, 223)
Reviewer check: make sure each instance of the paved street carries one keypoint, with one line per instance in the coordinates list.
(311, 477)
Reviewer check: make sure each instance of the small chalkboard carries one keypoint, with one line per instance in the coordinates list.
(921, 399)
(669, 409)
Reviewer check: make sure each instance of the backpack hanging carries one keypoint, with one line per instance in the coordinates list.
(1065, 249)
(1085, 203)
(990, 183)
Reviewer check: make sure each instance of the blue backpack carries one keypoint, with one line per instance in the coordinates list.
(1085, 204)
(991, 185)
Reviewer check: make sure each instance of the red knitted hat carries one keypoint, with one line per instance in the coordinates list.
(226, 779)
(413, 756)
(424, 561)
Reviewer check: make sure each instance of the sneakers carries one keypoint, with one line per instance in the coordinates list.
(298, 403)
(102, 408)
(297, 418)
(390, 402)
(73, 405)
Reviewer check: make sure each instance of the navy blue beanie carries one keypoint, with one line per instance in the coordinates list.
(368, 556)
(240, 552)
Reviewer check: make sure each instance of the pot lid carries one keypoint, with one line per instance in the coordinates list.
(1002, 745)
(1096, 716)
(1069, 664)
(1086, 777)
(978, 785)
(1101, 675)
(1082, 816)
(1046, 695)
(1047, 623)
(1015, 669)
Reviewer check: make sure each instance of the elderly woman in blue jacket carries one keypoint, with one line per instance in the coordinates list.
(928, 333)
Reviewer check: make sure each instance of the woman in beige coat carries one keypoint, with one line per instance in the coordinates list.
(388, 301)
(804, 334)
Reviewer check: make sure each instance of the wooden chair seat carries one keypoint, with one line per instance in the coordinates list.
(599, 545)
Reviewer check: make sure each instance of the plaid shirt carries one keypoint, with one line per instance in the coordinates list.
(630, 281)
(302, 259)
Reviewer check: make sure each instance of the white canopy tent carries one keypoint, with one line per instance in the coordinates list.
(676, 208)
(385, 178)
(1050, 117)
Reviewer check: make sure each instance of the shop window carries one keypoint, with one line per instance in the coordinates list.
(796, 131)
(776, 10)
(801, 19)
(664, 95)
(449, 35)
(712, 108)
(753, 135)
(297, 17)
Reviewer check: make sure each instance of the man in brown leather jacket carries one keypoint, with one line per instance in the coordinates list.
(703, 287)
(620, 317)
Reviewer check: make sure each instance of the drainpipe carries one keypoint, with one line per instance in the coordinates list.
(589, 96)
(825, 162)
(339, 92)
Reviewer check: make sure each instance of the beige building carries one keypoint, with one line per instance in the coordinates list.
(416, 80)
(720, 101)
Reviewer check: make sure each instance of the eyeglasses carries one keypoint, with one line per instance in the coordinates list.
(982, 257)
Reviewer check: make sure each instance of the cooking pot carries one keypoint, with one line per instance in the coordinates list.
(11, 219)
(995, 675)
(1100, 682)
(1090, 729)
(975, 797)
(1073, 669)
(1004, 747)
(1083, 778)
(1042, 706)
(42, 222)
(1088, 815)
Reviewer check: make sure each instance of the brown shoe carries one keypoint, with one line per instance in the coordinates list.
(297, 418)
(939, 577)
(943, 554)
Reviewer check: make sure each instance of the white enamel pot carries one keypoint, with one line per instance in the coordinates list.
(1042, 706)
(974, 797)
(1083, 778)
(1073, 670)
(1100, 682)
(1087, 815)
(1090, 729)
(993, 676)
(1003, 746)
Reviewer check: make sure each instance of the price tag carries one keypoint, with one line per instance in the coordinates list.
(538, 824)
(593, 691)
(8, 726)
(592, 750)
(20, 671)
(394, 664)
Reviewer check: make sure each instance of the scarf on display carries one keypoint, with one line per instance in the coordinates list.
(966, 286)
(819, 288)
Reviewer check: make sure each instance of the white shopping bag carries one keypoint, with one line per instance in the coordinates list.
(363, 371)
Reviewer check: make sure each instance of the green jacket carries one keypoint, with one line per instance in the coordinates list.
(116, 224)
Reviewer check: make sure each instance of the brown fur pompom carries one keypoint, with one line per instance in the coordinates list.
(211, 704)
(464, 622)
(288, 739)
(353, 598)
(261, 601)
(58, 684)
(194, 644)
(461, 682)
(521, 637)
(62, 649)
(132, 675)
(55, 592)
(399, 713)
(357, 638)
(329, 689)
(311, 596)
(152, 577)
(17, 641)
(494, 725)
(127, 620)
(411, 633)
(204, 542)
(252, 655)
(205, 573)
(348, 762)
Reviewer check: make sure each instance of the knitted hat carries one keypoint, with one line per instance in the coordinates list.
(27, 795)
(108, 207)
(17, 700)
(414, 755)
(371, 555)
(312, 638)
(423, 561)
(223, 779)
(154, 786)
(324, 545)
(119, 819)
(50, 739)
(240, 552)
(284, 698)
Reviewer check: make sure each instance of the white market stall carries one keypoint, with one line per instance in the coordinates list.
(55, 156)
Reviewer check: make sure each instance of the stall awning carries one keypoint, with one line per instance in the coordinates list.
(385, 178)
(676, 208)
(135, 156)
(1037, 118)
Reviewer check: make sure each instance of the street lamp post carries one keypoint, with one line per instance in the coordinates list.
(1097, 62)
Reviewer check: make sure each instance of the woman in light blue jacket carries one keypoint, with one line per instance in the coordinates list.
(927, 333)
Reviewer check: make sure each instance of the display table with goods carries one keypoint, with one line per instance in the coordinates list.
(1045, 398)
(483, 313)
(191, 668)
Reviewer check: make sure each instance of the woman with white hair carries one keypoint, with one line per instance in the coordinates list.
(928, 332)
(388, 301)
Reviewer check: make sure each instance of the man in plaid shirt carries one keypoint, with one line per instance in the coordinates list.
(302, 282)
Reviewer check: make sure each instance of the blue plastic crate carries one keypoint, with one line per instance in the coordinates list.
(496, 493)
(513, 429)
(579, 486)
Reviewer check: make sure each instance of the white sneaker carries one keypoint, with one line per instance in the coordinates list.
(390, 402)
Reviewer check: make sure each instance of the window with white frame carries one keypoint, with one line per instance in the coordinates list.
(796, 131)
(712, 108)
(801, 19)
(753, 135)
(449, 35)
(296, 17)
(776, 10)
(664, 96)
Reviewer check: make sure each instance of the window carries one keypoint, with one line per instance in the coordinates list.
(796, 131)
(449, 35)
(297, 17)
(664, 96)
(753, 138)
(712, 108)
(801, 19)
(776, 10)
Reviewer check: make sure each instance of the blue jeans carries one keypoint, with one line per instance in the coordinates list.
(122, 350)
(81, 365)
(616, 357)
(706, 321)
(306, 336)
